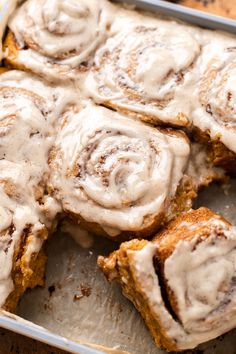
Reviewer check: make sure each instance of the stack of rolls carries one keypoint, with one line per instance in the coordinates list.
(115, 119)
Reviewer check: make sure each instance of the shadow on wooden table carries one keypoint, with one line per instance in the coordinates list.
(11, 343)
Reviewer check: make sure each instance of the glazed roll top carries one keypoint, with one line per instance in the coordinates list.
(183, 282)
(28, 111)
(115, 171)
(216, 113)
(23, 125)
(197, 262)
(6, 13)
(146, 68)
(59, 40)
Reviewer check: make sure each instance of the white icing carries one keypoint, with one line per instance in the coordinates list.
(160, 70)
(145, 68)
(116, 171)
(164, 65)
(62, 36)
(148, 65)
(202, 278)
(29, 109)
(215, 111)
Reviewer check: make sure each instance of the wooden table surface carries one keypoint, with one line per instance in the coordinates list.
(11, 343)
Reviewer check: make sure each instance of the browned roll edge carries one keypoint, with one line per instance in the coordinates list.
(26, 275)
(117, 267)
(219, 154)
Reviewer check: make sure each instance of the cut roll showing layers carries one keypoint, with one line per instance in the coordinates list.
(145, 70)
(215, 118)
(183, 282)
(116, 175)
(28, 110)
(59, 41)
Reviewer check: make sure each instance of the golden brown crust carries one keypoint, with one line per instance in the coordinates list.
(185, 194)
(218, 7)
(179, 229)
(150, 119)
(26, 275)
(219, 154)
(117, 267)
(153, 224)
(11, 47)
(3, 70)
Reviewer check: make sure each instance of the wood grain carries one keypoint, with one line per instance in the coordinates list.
(226, 8)
(11, 343)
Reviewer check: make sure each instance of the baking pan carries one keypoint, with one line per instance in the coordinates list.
(26, 328)
(186, 14)
(100, 319)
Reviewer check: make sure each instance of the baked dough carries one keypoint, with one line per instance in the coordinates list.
(29, 108)
(58, 42)
(183, 281)
(118, 175)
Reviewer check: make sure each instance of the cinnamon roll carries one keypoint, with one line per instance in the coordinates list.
(215, 117)
(22, 235)
(28, 110)
(116, 175)
(58, 42)
(145, 70)
(182, 282)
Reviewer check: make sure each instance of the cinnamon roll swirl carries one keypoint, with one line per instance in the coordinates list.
(28, 110)
(145, 70)
(215, 119)
(183, 282)
(117, 175)
(58, 42)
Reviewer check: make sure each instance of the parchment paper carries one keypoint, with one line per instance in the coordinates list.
(79, 304)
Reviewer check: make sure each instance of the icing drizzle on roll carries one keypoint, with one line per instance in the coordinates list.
(183, 282)
(143, 69)
(61, 36)
(207, 294)
(111, 170)
(200, 302)
(215, 111)
(29, 109)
